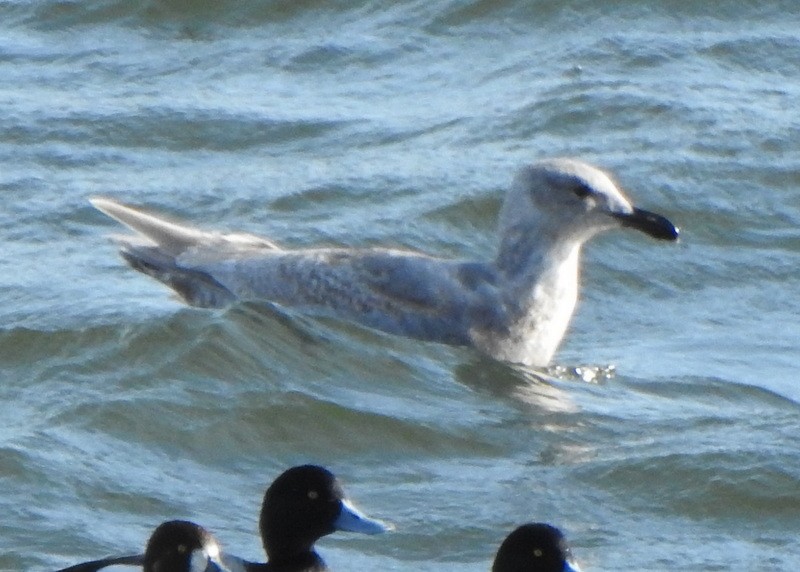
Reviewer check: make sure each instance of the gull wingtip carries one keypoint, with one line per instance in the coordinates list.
(102, 203)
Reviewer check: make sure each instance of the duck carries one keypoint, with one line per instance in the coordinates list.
(174, 546)
(303, 504)
(535, 547)
(515, 307)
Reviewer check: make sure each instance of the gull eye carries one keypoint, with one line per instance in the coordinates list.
(582, 190)
(313, 495)
(537, 552)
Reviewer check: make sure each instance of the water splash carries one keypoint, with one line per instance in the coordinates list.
(595, 374)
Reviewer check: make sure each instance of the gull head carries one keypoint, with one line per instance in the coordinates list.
(566, 200)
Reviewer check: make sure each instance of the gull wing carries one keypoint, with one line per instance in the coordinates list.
(176, 239)
(396, 291)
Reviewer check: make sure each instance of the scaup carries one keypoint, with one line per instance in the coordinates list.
(174, 546)
(301, 506)
(535, 547)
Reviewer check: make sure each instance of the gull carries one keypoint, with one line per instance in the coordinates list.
(515, 308)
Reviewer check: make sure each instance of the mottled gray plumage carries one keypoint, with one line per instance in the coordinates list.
(515, 308)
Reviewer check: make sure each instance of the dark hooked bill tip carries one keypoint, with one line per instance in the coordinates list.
(650, 223)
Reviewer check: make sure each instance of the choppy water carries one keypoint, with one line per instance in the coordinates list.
(400, 123)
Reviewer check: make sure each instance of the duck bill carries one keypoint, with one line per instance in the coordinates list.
(217, 566)
(650, 223)
(234, 563)
(570, 566)
(202, 561)
(213, 566)
(351, 519)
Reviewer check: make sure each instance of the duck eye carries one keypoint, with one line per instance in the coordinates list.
(313, 495)
(582, 190)
(537, 552)
(182, 549)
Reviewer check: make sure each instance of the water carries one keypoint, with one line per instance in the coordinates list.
(348, 123)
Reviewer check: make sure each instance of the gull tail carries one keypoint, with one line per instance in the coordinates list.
(158, 249)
